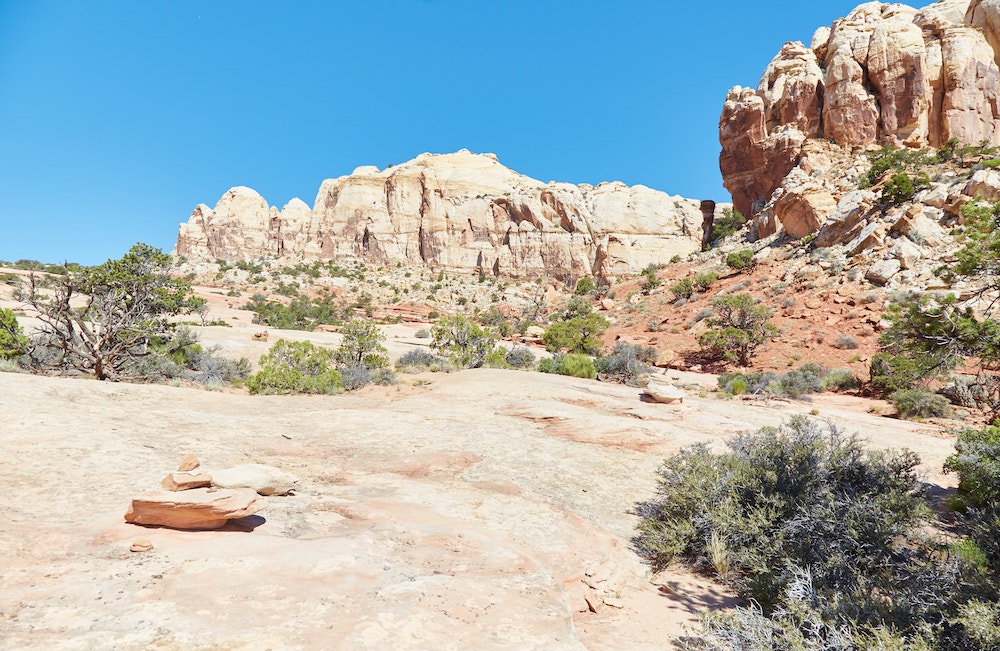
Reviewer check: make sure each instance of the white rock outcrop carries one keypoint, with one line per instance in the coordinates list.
(460, 212)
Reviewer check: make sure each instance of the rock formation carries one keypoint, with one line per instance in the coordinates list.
(885, 74)
(197, 508)
(460, 212)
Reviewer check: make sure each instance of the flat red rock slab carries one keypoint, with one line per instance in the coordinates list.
(199, 508)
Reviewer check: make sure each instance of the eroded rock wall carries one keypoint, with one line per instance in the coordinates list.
(458, 211)
(884, 74)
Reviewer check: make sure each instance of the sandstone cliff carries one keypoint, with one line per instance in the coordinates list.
(885, 74)
(455, 212)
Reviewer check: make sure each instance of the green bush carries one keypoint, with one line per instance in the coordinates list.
(684, 288)
(726, 224)
(576, 335)
(650, 280)
(901, 187)
(584, 286)
(466, 344)
(890, 373)
(296, 367)
(301, 313)
(13, 343)
(918, 403)
(362, 345)
(740, 260)
(419, 360)
(976, 460)
(739, 328)
(803, 495)
(704, 281)
(571, 364)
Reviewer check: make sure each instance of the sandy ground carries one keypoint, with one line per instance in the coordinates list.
(482, 509)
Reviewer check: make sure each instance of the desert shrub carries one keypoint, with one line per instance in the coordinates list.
(627, 363)
(296, 367)
(704, 281)
(740, 326)
(496, 319)
(890, 373)
(802, 495)
(584, 286)
(684, 288)
(301, 313)
(901, 187)
(918, 403)
(740, 260)
(650, 280)
(465, 343)
(355, 377)
(520, 357)
(13, 343)
(576, 335)
(840, 379)
(726, 224)
(755, 383)
(423, 333)
(129, 305)
(798, 382)
(419, 360)
(976, 461)
(571, 364)
(846, 342)
(362, 345)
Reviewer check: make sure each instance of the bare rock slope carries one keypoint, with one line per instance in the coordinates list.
(455, 212)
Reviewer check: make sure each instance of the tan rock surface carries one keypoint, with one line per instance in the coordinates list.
(464, 513)
(459, 212)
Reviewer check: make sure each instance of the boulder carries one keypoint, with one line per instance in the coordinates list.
(265, 480)
(802, 211)
(880, 272)
(199, 508)
(660, 389)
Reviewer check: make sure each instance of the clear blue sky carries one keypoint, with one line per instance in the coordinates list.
(117, 117)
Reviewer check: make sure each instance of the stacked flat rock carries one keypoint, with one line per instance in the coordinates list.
(660, 389)
(194, 499)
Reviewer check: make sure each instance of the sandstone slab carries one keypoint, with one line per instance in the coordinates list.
(199, 508)
(263, 479)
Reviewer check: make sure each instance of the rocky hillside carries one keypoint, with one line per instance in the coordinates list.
(794, 149)
(455, 212)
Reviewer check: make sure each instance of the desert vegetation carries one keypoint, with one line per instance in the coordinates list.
(829, 542)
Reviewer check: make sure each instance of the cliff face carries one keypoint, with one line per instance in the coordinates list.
(458, 211)
(885, 74)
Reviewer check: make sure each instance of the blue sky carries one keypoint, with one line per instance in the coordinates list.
(117, 117)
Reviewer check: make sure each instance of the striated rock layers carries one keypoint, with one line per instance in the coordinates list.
(885, 74)
(460, 212)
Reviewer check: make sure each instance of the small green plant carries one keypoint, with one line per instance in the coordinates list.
(650, 280)
(571, 364)
(584, 286)
(846, 342)
(740, 260)
(627, 364)
(683, 288)
(704, 281)
(13, 343)
(726, 224)
(918, 403)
